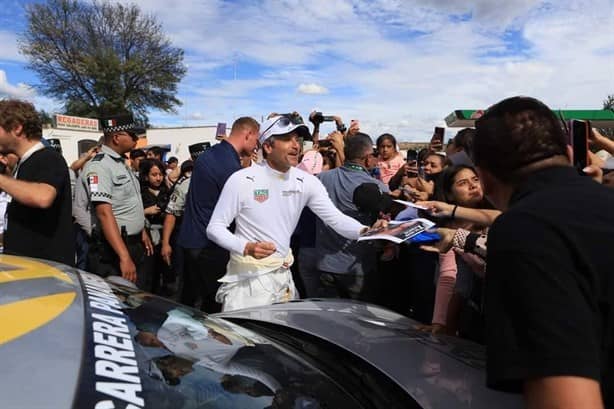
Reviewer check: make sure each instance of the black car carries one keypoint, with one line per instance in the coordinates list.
(72, 339)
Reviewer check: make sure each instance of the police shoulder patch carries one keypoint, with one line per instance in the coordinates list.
(98, 157)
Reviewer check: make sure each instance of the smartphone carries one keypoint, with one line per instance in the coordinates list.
(220, 132)
(412, 156)
(438, 134)
(421, 173)
(412, 160)
(579, 142)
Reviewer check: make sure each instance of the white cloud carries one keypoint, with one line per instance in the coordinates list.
(14, 91)
(194, 116)
(312, 88)
(9, 50)
(397, 68)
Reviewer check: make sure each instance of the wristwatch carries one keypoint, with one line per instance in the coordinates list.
(341, 128)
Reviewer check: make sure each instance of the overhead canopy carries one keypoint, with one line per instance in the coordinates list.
(600, 118)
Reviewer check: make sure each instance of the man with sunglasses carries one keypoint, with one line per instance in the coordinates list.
(119, 240)
(265, 203)
(205, 262)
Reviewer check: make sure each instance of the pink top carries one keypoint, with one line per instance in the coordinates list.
(389, 168)
(445, 286)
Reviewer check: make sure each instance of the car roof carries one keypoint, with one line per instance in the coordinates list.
(437, 371)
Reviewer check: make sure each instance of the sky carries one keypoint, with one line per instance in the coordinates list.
(398, 66)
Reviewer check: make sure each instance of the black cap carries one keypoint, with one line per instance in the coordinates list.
(198, 148)
(119, 123)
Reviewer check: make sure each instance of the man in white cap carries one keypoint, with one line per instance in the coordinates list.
(265, 203)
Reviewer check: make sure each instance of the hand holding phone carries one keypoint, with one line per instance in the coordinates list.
(421, 173)
(436, 144)
(580, 133)
(411, 168)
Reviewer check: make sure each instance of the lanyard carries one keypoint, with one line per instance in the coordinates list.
(354, 167)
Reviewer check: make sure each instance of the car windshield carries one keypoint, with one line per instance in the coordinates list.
(186, 359)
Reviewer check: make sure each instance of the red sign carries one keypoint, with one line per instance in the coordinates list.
(75, 122)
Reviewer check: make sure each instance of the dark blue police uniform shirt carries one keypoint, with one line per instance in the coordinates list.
(211, 170)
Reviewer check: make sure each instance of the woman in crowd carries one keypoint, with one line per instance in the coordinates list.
(155, 195)
(427, 183)
(461, 188)
(390, 160)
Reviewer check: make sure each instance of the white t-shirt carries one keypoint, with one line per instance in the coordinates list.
(266, 205)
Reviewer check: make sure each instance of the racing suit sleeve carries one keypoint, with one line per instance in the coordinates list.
(226, 209)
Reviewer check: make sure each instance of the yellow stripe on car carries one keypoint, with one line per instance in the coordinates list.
(21, 317)
(28, 270)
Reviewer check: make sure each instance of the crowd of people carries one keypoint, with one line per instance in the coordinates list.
(273, 213)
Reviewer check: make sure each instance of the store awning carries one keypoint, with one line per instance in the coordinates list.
(600, 118)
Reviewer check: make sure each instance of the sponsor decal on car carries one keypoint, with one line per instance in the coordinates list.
(115, 377)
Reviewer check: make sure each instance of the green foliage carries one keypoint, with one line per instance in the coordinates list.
(102, 58)
(608, 103)
(46, 119)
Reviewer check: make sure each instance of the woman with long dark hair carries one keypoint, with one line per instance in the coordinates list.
(461, 187)
(155, 195)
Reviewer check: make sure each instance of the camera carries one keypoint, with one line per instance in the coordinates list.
(318, 118)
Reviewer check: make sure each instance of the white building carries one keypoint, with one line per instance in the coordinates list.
(76, 141)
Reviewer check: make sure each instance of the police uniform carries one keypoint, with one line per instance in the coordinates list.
(176, 207)
(109, 180)
(176, 204)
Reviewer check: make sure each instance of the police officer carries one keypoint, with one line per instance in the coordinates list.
(170, 251)
(119, 239)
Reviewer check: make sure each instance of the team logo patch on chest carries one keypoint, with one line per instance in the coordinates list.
(261, 195)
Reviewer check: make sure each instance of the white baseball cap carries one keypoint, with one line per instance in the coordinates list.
(282, 125)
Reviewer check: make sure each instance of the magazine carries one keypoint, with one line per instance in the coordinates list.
(398, 231)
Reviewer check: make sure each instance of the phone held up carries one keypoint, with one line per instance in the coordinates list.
(412, 156)
(412, 161)
(438, 134)
(579, 135)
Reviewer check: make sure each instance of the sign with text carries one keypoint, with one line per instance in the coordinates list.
(75, 122)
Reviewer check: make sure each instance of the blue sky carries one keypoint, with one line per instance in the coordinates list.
(398, 66)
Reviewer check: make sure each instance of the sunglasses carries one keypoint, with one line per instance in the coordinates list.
(285, 120)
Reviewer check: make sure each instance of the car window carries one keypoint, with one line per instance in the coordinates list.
(144, 350)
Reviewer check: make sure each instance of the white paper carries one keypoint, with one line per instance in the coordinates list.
(410, 204)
